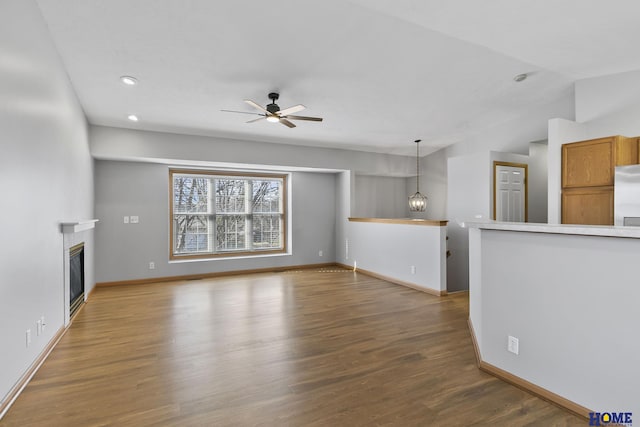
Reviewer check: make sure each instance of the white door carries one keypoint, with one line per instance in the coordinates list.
(510, 193)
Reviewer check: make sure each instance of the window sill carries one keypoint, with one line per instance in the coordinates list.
(228, 258)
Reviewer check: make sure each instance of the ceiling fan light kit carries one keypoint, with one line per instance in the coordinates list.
(272, 112)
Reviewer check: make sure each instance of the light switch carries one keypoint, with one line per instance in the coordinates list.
(513, 345)
(126, 220)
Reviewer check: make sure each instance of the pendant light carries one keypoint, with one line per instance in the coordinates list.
(417, 202)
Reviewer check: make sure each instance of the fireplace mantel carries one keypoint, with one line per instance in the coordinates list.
(77, 226)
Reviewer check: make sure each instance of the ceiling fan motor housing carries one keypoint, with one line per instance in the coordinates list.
(273, 108)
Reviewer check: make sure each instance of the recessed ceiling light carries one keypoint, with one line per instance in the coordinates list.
(520, 77)
(129, 81)
(132, 117)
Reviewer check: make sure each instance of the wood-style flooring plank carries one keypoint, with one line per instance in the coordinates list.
(305, 348)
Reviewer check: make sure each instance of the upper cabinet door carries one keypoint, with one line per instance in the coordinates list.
(588, 163)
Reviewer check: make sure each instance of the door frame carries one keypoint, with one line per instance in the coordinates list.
(526, 185)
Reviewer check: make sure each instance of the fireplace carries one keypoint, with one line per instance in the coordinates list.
(77, 244)
(76, 277)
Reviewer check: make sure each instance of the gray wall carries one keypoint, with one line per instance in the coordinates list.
(130, 188)
(433, 184)
(576, 319)
(344, 207)
(47, 176)
(145, 147)
(381, 197)
(136, 145)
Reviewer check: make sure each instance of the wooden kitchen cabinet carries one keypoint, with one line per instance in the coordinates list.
(588, 171)
(591, 205)
(591, 163)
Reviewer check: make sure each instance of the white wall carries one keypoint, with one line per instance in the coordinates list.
(560, 132)
(514, 136)
(381, 197)
(124, 251)
(469, 181)
(392, 249)
(610, 105)
(465, 191)
(576, 319)
(47, 174)
(538, 182)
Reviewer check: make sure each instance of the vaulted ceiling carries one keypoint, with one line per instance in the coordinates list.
(380, 73)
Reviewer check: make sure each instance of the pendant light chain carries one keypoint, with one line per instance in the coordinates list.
(418, 165)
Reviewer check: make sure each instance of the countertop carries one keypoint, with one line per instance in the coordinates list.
(411, 221)
(584, 230)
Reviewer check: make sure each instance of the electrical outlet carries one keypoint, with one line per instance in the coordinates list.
(319, 253)
(413, 269)
(152, 265)
(513, 345)
(38, 327)
(126, 220)
(135, 219)
(28, 337)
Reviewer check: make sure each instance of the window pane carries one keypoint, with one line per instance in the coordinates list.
(230, 195)
(230, 232)
(267, 231)
(215, 213)
(266, 196)
(190, 195)
(191, 234)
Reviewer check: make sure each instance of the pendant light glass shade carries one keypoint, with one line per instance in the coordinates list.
(417, 201)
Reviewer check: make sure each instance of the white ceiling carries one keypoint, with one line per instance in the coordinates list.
(382, 73)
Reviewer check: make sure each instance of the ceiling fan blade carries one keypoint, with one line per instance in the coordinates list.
(310, 119)
(241, 112)
(291, 110)
(257, 120)
(287, 122)
(255, 105)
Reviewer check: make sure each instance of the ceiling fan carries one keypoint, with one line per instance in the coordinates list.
(273, 113)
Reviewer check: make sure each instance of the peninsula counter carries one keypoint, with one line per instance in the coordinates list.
(569, 294)
(409, 252)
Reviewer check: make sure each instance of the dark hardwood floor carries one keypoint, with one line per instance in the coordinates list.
(303, 348)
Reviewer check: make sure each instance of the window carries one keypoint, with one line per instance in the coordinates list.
(223, 214)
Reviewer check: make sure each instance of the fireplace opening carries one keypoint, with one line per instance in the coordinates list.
(76, 277)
